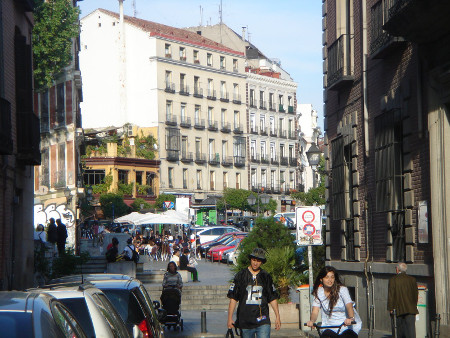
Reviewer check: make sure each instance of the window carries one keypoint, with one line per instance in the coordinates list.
(262, 104)
(225, 180)
(263, 150)
(198, 146)
(253, 123)
(172, 139)
(253, 179)
(291, 152)
(184, 146)
(252, 98)
(139, 177)
(168, 50)
(212, 149)
(291, 179)
(235, 65)
(149, 180)
(123, 176)
(272, 125)
(60, 180)
(168, 79)
(236, 95)
(262, 123)
(253, 149)
(211, 88)
(263, 179)
(199, 179)
(170, 177)
(60, 105)
(185, 178)
(209, 59)
(212, 180)
(223, 116)
(169, 110)
(196, 59)
(238, 181)
(197, 89)
(222, 62)
(272, 151)
(223, 90)
(197, 114)
(239, 147)
(45, 168)
(183, 86)
(183, 111)
(45, 121)
(224, 149)
(210, 116)
(93, 177)
(236, 120)
(272, 179)
(271, 102)
(182, 54)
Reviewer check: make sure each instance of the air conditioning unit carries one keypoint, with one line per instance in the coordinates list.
(129, 130)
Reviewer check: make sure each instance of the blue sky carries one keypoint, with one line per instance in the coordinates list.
(289, 30)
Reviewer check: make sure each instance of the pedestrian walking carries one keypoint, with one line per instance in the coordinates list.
(254, 290)
(331, 296)
(402, 297)
(61, 237)
(52, 235)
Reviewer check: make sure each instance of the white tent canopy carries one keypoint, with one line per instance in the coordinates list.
(164, 218)
(133, 217)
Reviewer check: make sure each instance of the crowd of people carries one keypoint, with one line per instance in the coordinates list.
(54, 237)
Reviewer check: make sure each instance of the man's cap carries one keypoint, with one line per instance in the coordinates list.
(259, 254)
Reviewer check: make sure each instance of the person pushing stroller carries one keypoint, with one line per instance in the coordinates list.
(171, 296)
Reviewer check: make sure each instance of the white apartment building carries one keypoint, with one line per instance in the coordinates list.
(271, 115)
(189, 87)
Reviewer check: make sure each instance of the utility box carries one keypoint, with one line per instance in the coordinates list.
(422, 318)
(305, 306)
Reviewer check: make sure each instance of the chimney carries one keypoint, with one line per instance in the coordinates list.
(120, 12)
(243, 33)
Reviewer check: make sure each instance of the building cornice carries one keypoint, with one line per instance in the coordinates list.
(272, 81)
(125, 161)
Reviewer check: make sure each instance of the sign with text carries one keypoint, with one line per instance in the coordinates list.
(309, 225)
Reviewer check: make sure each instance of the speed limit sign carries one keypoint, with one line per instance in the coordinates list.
(309, 225)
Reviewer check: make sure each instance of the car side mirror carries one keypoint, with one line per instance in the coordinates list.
(156, 304)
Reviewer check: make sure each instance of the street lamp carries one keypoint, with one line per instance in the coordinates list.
(313, 155)
(252, 199)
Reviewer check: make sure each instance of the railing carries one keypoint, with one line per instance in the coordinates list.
(283, 134)
(28, 138)
(168, 55)
(237, 98)
(272, 106)
(200, 158)
(262, 104)
(238, 129)
(173, 155)
(187, 157)
(274, 159)
(224, 97)
(211, 94)
(184, 89)
(198, 92)
(264, 159)
(275, 188)
(199, 186)
(225, 127)
(170, 87)
(252, 102)
(263, 131)
(199, 124)
(6, 142)
(291, 110)
(292, 135)
(214, 159)
(292, 161)
(239, 161)
(185, 122)
(284, 160)
(281, 108)
(171, 120)
(227, 161)
(339, 61)
(183, 58)
(197, 61)
(254, 130)
(255, 158)
(273, 132)
(212, 125)
(59, 179)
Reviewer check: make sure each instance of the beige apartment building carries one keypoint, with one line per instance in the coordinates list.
(189, 87)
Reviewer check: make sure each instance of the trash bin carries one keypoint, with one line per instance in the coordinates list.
(422, 317)
(305, 306)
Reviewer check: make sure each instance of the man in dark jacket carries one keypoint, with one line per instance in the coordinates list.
(253, 288)
(61, 237)
(403, 296)
(184, 265)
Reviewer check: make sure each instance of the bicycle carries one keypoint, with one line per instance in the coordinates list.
(320, 328)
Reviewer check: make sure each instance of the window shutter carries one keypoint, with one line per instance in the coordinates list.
(338, 178)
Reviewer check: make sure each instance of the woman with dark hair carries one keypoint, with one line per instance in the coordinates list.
(172, 279)
(335, 304)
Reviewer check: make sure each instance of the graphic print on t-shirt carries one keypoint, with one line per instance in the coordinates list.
(254, 294)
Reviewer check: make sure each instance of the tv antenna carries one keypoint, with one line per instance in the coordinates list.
(134, 9)
(201, 16)
(220, 12)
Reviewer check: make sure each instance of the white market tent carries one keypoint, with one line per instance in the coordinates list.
(133, 217)
(164, 218)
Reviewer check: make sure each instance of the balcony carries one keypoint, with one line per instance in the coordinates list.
(199, 124)
(227, 161)
(264, 159)
(59, 179)
(211, 95)
(283, 134)
(292, 135)
(184, 90)
(417, 20)
(214, 159)
(212, 125)
(200, 158)
(185, 122)
(225, 127)
(263, 131)
(281, 108)
(291, 110)
(254, 130)
(273, 133)
(252, 102)
(28, 138)
(168, 55)
(171, 120)
(173, 155)
(170, 87)
(274, 160)
(292, 161)
(255, 158)
(239, 161)
(224, 97)
(45, 124)
(197, 61)
(381, 43)
(187, 157)
(272, 106)
(238, 129)
(60, 119)
(284, 160)
(262, 104)
(6, 142)
(340, 71)
(198, 92)
(275, 188)
(183, 58)
(237, 98)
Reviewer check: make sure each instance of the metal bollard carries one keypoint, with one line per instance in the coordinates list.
(203, 322)
(394, 316)
(437, 328)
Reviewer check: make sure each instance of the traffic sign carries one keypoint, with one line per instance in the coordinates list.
(309, 225)
(169, 205)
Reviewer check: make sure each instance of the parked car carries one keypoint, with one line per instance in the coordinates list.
(286, 220)
(91, 308)
(204, 248)
(34, 314)
(212, 233)
(217, 252)
(129, 297)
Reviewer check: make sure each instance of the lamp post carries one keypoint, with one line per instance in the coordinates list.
(313, 155)
(252, 199)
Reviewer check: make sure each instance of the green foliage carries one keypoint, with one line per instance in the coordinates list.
(281, 266)
(124, 148)
(145, 146)
(41, 263)
(318, 255)
(109, 200)
(234, 199)
(100, 148)
(69, 264)
(55, 25)
(125, 189)
(142, 189)
(266, 234)
(103, 187)
(314, 195)
(159, 203)
(136, 205)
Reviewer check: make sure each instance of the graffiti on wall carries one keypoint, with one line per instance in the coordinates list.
(41, 215)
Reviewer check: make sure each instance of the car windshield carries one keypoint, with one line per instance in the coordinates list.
(16, 324)
(127, 306)
(79, 309)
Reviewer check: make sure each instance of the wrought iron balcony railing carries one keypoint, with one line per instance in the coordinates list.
(170, 87)
(339, 62)
(199, 124)
(185, 122)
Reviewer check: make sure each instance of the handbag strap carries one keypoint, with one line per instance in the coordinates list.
(229, 334)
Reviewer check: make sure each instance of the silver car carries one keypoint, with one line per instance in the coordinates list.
(32, 314)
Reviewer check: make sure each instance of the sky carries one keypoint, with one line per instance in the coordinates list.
(288, 30)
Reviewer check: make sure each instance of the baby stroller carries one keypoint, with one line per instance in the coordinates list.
(171, 301)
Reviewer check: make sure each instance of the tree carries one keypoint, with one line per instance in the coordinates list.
(314, 195)
(113, 202)
(159, 203)
(55, 27)
(234, 199)
(136, 205)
